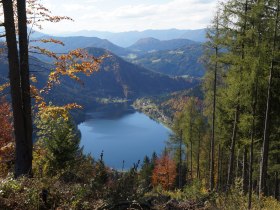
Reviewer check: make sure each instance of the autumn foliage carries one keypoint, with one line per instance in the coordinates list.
(6, 133)
(164, 173)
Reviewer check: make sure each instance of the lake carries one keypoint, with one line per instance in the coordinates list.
(123, 134)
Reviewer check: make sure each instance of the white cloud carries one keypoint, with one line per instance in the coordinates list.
(124, 15)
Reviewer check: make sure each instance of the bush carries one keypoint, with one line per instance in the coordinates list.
(235, 199)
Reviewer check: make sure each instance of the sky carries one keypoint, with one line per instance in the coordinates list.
(128, 15)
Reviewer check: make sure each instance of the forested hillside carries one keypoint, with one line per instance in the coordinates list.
(151, 44)
(185, 60)
(116, 78)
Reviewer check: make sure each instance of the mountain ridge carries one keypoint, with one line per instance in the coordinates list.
(177, 62)
(126, 39)
(161, 56)
(152, 44)
(116, 78)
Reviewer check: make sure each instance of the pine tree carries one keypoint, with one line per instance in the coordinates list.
(266, 135)
(146, 173)
(61, 138)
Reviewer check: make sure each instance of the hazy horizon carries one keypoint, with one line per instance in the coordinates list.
(104, 31)
(124, 15)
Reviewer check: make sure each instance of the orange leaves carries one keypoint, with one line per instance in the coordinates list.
(177, 104)
(36, 94)
(55, 110)
(50, 40)
(6, 132)
(71, 64)
(164, 173)
(76, 61)
(43, 51)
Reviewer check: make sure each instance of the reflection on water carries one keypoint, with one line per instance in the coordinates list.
(122, 133)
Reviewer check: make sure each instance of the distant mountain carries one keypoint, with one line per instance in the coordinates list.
(172, 57)
(198, 35)
(152, 44)
(116, 78)
(126, 39)
(119, 78)
(71, 43)
(181, 61)
(36, 34)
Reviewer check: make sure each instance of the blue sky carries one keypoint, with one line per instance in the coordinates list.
(127, 15)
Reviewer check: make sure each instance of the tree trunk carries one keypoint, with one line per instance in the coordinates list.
(254, 105)
(198, 157)
(16, 95)
(212, 161)
(237, 174)
(251, 162)
(265, 147)
(232, 148)
(222, 170)
(180, 161)
(209, 161)
(191, 142)
(191, 161)
(245, 171)
(25, 86)
(236, 117)
(251, 156)
(276, 184)
(219, 168)
(187, 163)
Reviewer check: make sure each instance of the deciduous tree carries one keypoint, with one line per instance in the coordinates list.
(164, 173)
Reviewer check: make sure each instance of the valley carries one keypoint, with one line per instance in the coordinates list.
(120, 78)
(174, 57)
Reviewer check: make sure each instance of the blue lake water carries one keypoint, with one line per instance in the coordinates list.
(123, 134)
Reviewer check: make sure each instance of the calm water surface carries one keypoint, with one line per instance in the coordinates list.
(123, 134)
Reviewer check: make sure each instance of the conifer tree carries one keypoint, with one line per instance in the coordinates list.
(266, 135)
(60, 137)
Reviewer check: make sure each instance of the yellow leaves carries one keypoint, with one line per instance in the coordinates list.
(72, 106)
(50, 112)
(33, 79)
(53, 112)
(4, 86)
(70, 64)
(76, 61)
(36, 94)
(43, 51)
(51, 40)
